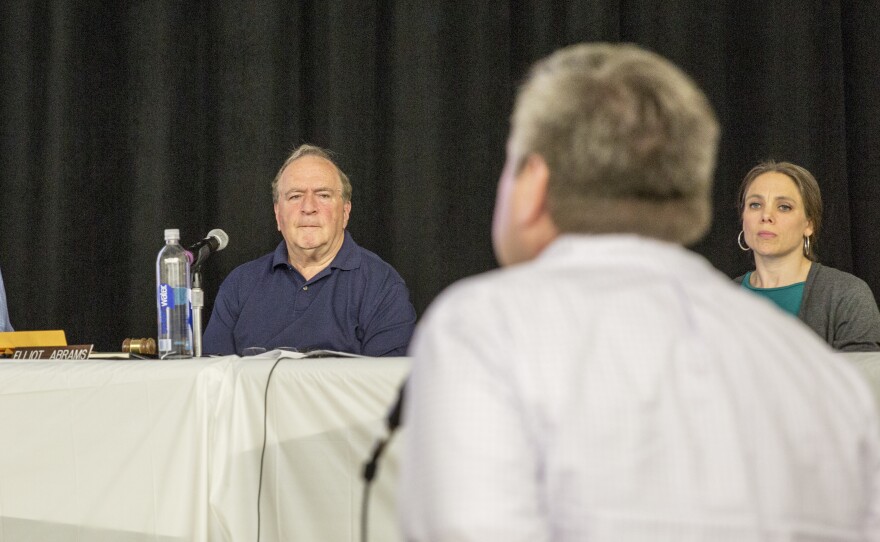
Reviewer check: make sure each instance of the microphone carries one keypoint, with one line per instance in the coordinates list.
(214, 242)
(392, 422)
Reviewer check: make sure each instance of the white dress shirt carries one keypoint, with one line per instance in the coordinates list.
(621, 389)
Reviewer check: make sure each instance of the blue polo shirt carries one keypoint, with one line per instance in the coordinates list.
(357, 304)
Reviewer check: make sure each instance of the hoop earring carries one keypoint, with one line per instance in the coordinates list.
(806, 247)
(739, 241)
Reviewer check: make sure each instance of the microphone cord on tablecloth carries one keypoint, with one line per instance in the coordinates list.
(265, 430)
(392, 421)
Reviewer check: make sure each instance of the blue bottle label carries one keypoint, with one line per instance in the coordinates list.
(181, 296)
(166, 301)
(166, 296)
(169, 298)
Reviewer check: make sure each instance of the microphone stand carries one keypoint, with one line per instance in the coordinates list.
(198, 302)
(215, 241)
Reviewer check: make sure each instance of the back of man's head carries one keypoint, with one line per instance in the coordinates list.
(629, 139)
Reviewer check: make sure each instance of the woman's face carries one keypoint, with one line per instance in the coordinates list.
(774, 220)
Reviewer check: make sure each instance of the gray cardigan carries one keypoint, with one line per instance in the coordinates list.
(840, 308)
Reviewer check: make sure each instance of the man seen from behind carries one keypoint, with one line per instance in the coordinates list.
(607, 384)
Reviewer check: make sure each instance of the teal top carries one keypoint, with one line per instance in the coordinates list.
(788, 298)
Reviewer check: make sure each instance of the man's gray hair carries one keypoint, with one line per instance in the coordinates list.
(312, 150)
(629, 139)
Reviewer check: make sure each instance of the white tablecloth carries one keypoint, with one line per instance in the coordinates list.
(170, 450)
(131, 451)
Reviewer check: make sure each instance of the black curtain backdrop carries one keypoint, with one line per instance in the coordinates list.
(120, 119)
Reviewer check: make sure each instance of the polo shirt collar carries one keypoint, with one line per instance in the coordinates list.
(347, 258)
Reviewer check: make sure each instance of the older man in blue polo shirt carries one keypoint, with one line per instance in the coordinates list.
(318, 289)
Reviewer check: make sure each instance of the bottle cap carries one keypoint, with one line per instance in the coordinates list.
(172, 235)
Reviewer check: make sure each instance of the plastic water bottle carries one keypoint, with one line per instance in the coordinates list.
(173, 299)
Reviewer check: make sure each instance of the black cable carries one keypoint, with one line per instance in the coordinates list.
(265, 431)
(365, 509)
(370, 469)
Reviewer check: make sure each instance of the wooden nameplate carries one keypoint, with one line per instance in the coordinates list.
(74, 351)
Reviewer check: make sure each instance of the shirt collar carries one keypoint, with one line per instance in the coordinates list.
(621, 247)
(347, 258)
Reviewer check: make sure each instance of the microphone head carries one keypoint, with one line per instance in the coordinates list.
(222, 238)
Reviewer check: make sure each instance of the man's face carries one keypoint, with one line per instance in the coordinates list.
(310, 212)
